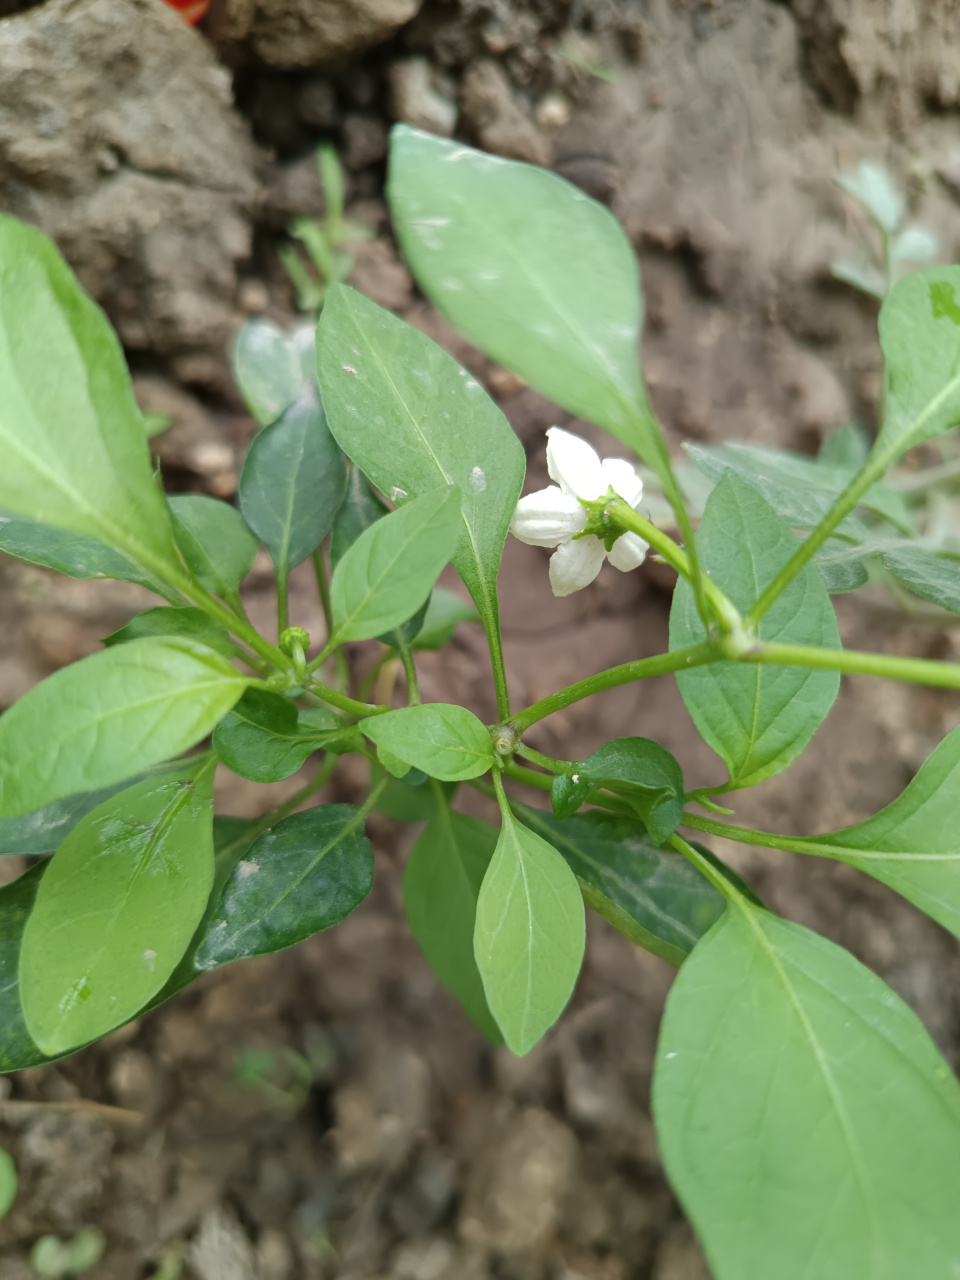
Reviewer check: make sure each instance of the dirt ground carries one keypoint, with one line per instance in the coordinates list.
(329, 1112)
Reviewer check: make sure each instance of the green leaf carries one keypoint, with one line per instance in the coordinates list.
(445, 612)
(529, 936)
(647, 776)
(569, 790)
(913, 845)
(17, 1049)
(757, 718)
(412, 419)
(267, 369)
(871, 186)
(840, 566)
(213, 540)
(305, 874)
(403, 803)
(75, 555)
(806, 1120)
(8, 1183)
(934, 578)
(652, 896)
(915, 244)
(441, 884)
(801, 489)
(555, 297)
(293, 481)
(387, 574)
(265, 739)
(920, 337)
(445, 741)
(44, 830)
(109, 716)
(846, 446)
(360, 508)
(75, 453)
(116, 909)
(188, 622)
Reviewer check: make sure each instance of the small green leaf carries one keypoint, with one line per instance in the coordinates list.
(382, 380)
(265, 739)
(647, 776)
(934, 578)
(305, 874)
(915, 244)
(212, 538)
(409, 804)
(109, 716)
(75, 454)
(8, 1183)
(445, 612)
(807, 1122)
(556, 297)
(529, 936)
(116, 909)
(293, 481)
(17, 1049)
(441, 884)
(75, 555)
(841, 566)
(920, 337)
(569, 790)
(359, 510)
(267, 369)
(871, 186)
(757, 718)
(189, 622)
(44, 830)
(653, 897)
(387, 574)
(445, 741)
(913, 845)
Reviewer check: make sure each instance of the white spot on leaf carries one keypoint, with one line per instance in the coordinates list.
(247, 868)
(348, 368)
(150, 960)
(478, 481)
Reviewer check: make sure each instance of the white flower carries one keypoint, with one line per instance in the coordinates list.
(551, 517)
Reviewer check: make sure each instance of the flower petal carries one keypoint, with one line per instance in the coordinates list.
(575, 564)
(628, 552)
(574, 465)
(547, 517)
(623, 479)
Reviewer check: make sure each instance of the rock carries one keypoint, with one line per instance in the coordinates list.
(516, 1191)
(416, 100)
(305, 33)
(379, 273)
(378, 1117)
(118, 138)
(430, 1259)
(317, 101)
(193, 442)
(424, 1199)
(365, 141)
(495, 118)
(221, 1250)
(680, 1257)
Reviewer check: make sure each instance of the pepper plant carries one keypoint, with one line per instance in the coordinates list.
(806, 1120)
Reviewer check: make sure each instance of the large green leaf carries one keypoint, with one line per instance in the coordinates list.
(110, 716)
(529, 936)
(805, 1118)
(444, 740)
(920, 337)
(758, 718)
(75, 555)
(654, 897)
(264, 737)
(293, 481)
(387, 574)
(214, 541)
(188, 621)
(305, 874)
(385, 382)
(441, 884)
(934, 578)
(538, 276)
(116, 909)
(74, 449)
(913, 845)
(647, 776)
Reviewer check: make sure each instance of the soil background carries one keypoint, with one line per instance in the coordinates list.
(329, 1112)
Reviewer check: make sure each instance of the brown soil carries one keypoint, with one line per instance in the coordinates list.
(382, 1138)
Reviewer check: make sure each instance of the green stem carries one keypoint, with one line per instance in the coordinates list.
(681, 660)
(239, 626)
(343, 703)
(545, 762)
(529, 777)
(940, 675)
(410, 671)
(600, 798)
(323, 591)
(708, 870)
(490, 617)
(283, 600)
(622, 514)
(745, 835)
